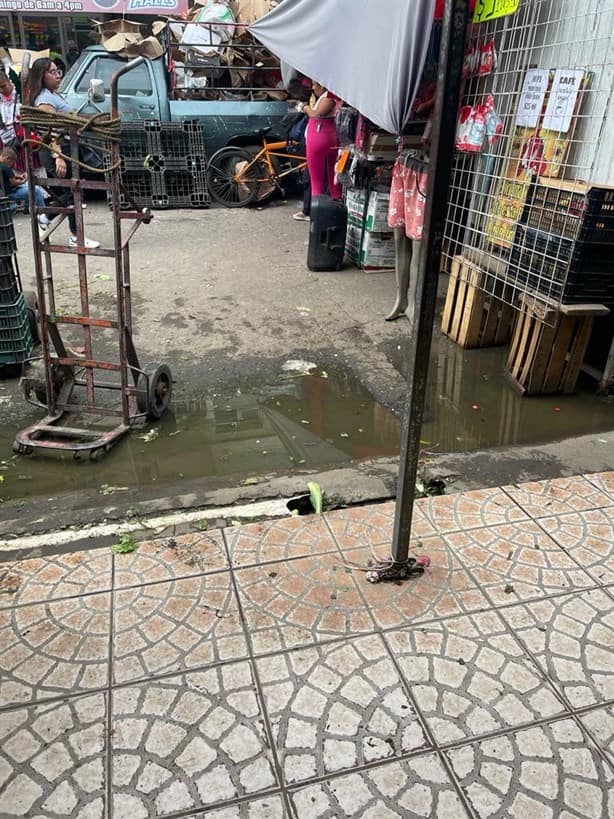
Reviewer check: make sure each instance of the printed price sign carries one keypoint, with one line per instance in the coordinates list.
(491, 9)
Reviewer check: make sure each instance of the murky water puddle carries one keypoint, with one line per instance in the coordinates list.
(311, 421)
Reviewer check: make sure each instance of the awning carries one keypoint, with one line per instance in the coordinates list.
(371, 54)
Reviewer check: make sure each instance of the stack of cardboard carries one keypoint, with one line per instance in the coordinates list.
(369, 242)
(124, 38)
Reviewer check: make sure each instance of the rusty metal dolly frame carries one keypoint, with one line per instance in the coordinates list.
(145, 392)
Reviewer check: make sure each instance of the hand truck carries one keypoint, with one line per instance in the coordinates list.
(70, 388)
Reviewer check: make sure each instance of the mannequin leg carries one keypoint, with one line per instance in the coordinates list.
(404, 253)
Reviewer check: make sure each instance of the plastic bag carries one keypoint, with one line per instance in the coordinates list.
(207, 39)
(471, 129)
(494, 126)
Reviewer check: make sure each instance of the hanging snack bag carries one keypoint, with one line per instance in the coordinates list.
(487, 59)
(494, 125)
(471, 129)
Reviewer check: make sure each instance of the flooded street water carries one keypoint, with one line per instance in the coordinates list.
(306, 422)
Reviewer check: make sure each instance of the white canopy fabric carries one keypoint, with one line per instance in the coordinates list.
(368, 52)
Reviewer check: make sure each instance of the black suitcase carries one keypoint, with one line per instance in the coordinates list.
(326, 234)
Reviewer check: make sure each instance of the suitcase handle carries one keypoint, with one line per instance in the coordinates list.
(326, 238)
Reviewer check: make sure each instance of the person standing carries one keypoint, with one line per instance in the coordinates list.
(42, 92)
(322, 142)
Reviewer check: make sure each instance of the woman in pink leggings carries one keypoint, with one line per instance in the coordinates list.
(322, 144)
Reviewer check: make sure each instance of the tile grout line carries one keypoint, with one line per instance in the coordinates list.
(257, 683)
(609, 763)
(109, 726)
(427, 729)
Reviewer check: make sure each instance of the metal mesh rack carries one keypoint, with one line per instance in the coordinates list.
(535, 208)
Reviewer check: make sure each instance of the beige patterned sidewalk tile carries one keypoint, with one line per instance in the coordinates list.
(188, 741)
(176, 625)
(467, 510)
(52, 760)
(166, 558)
(372, 525)
(544, 772)
(469, 677)
(572, 639)
(415, 788)
(336, 707)
(268, 807)
(557, 496)
(600, 724)
(516, 561)
(444, 589)
(279, 539)
(588, 537)
(604, 481)
(46, 578)
(50, 649)
(299, 602)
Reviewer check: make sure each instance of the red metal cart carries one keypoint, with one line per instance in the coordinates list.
(70, 386)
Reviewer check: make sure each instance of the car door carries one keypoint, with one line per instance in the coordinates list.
(138, 98)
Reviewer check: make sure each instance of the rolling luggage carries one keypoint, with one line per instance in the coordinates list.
(326, 234)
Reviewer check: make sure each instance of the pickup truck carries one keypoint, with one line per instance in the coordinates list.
(149, 92)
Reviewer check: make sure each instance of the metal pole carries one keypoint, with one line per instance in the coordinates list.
(449, 79)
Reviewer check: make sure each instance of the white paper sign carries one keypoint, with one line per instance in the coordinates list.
(532, 96)
(562, 100)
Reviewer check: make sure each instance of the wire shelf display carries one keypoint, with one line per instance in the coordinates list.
(532, 191)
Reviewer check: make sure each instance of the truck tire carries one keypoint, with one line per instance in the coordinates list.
(223, 185)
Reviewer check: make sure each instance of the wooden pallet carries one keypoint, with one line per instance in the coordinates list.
(548, 345)
(478, 310)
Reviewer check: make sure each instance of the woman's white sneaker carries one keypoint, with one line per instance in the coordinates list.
(90, 244)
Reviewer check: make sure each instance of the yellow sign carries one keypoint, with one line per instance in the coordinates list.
(486, 10)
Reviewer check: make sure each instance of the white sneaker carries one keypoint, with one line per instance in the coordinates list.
(88, 243)
(43, 220)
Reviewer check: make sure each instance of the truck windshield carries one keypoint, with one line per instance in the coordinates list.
(135, 83)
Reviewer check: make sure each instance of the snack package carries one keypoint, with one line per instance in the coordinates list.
(494, 125)
(471, 129)
(487, 59)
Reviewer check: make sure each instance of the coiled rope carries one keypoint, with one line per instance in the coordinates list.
(101, 128)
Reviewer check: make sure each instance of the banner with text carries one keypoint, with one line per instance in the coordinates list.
(95, 7)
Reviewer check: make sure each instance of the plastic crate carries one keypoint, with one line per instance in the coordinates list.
(15, 336)
(9, 288)
(6, 213)
(585, 216)
(561, 269)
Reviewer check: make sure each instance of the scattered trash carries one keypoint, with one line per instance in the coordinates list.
(298, 365)
(508, 589)
(126, 545)
(1, 478)
(109, 489)
(201, 525)
(557, 409)
(303, 421)
(324, 374)
(315, 494)
(177, 431)
(475, 407)
(343, 435)
(150, 436)
(249, 481)
(461, 661)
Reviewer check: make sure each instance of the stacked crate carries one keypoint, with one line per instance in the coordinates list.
(564, 242)
(163, 165)
(15, 336)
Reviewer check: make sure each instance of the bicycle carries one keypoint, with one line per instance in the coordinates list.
(236, 177)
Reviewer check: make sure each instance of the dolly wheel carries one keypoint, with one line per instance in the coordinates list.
(154, 398)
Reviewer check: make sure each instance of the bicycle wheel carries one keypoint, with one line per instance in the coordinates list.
(231, 183)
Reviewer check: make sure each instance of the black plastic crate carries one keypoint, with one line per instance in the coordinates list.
(15, 336)
(586, 216)
(6, 213)
(9, 288)
(567, 271)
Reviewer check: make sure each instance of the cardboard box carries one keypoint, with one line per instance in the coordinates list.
(377, 251)
(368, 250)
(377, 211)
(381, 146)
(375, 219)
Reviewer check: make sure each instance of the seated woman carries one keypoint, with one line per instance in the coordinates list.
(43, 83)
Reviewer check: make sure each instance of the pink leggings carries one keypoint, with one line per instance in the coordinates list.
(322, 144)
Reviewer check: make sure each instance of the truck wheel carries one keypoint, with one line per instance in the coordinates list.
(228, 182)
